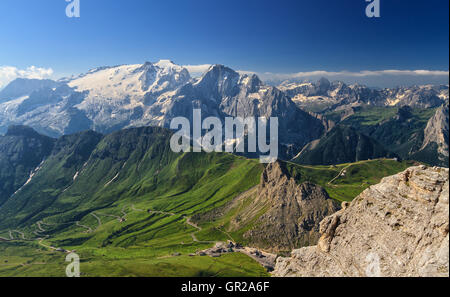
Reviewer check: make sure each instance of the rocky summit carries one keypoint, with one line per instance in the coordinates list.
(398, 227)
(293, 211)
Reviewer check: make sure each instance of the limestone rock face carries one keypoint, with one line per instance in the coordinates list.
(437, 131)
(293, 211)
(399, 227)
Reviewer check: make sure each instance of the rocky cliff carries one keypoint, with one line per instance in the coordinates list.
(108, 99)
(293, 211)
(278, 215)
(437, 132)
(323, 95)
(399, 227)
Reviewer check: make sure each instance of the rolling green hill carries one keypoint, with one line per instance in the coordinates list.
(127, 190)
(344, 182)
(124, 202)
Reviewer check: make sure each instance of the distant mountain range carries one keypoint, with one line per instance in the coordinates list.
(108, 99)
(325, 95)
(111, 98)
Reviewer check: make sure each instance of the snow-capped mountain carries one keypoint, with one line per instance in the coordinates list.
(103, 99)
(326, 95)
(22, 87)
(222, 92)
(152, 94)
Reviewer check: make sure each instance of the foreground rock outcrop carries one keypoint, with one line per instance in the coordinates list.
(399, 227)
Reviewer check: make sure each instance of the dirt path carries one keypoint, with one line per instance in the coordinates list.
(226, 233)
(124, 214)
(266, 260)
(136, 209)
(41, 242)
(339, 175)
(161, 212)
(20, 233)
(194, 238)
(110, 215)
(99, 221)
(40, 229)
(188, 221)
(89, 229)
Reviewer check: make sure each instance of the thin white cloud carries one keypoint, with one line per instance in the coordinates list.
(10, 73)
(200, 69)
(360, 74)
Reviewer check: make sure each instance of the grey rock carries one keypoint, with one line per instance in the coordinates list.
(399, 227)
(437, 131)
(338, 95)
(112, 98)
(293, 214)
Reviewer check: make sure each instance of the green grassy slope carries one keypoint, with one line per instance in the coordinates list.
(89, 184)
(31, 260)
(358, 176)
(342, 182)
(124, 203)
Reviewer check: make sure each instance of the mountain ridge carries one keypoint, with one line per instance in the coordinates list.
(107, 99)
(323, 96)
(342, 144)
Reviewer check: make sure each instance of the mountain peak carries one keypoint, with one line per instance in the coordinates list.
(323, 82)
(218, 73)
(220, 67)
(169, 64)
(252, 81)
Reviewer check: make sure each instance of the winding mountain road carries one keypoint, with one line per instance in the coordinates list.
(99, 221)
(188, 221)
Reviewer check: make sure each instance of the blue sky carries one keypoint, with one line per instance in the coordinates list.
(283, 36)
